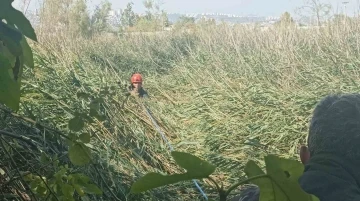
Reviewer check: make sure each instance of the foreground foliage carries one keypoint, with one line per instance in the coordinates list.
(227, 94)
(280, 182)
(15, 54)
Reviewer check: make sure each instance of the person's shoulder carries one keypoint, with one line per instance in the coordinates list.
(144, 93)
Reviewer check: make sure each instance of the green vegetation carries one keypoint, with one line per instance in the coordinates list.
(225, 94)
(279, 183)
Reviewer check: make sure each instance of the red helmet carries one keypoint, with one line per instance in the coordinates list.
(136, 78)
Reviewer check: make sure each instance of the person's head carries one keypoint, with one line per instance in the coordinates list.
(136, 81)
(334, 128)
(249, 193)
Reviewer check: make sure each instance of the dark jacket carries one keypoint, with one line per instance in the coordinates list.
(142, 92)
(332, 178)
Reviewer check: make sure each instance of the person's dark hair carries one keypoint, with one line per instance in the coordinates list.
(249, 193)
(335, 126)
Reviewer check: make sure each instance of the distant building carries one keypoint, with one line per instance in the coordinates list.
(223, 17)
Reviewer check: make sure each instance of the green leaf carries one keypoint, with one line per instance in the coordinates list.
(79, 154)
(60, 174)
(76, 124)
(27, 52)
(67, 190)
(7, 54)
(155, 180)
(265, 184)
(79, 190)
(281, 183)
(286, 172)
(85, 137)
(13, 16)
(33, 184)
(9, 88)
(11, 39)
(196, 169)
(92, 189)
(28, 177)
(81, 179)
(73, 137)
(41, 189)
(193, 164)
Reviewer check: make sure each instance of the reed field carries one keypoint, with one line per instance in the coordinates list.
(225, 94)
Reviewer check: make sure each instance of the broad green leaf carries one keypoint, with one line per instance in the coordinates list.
(76, 124)
(73, 137)
(60, 174)
(10, 31)
(285, 173)
(267, 192)
(195, 169)
(7, 54)
(17, 69)
(85, 137)
(35, 183)
(79, 190)
(79, 154)
(92, 189)
(16, 49)
(28, 177)
(13, 16)
(281, 183)
(11, 39)
(9, 88)
(27, 52)
(81, 178)
(155, 180)
(193, 164)
(41, 189)
(67, 190)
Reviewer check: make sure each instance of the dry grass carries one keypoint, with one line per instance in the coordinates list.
(227, 94)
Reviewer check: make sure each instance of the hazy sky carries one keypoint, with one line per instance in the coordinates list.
(239, 7)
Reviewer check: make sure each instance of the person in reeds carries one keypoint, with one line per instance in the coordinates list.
(332, 154)
(136, 88)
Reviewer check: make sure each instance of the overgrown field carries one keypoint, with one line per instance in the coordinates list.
(226, 94)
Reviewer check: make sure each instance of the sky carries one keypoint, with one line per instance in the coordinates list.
(237, 7)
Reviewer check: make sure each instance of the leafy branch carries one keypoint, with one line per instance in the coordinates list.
(15, 54)
(279, 183)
